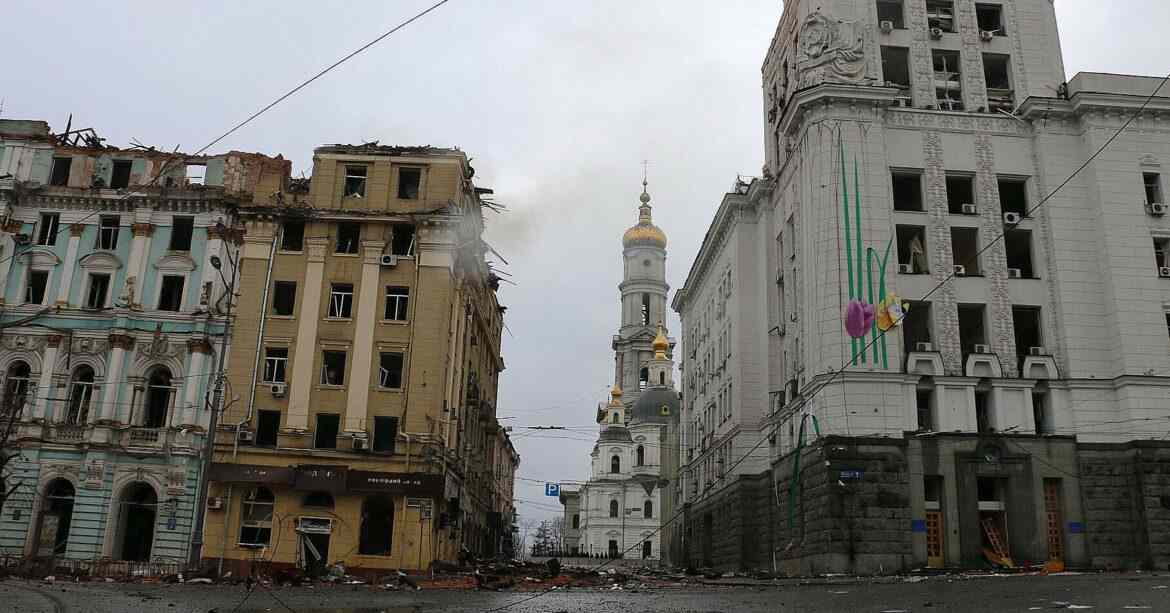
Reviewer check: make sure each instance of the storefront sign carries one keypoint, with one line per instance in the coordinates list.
(415, 484)
(321, 479)
(250, 473)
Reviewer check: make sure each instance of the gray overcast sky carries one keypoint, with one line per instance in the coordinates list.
(558, 103)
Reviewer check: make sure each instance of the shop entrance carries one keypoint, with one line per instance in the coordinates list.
(1054, 513)
(935, 528)
(993, 520)
(137, 514)
(314, 534)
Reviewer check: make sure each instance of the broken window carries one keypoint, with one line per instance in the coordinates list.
(1027, 330)
(925, 404)
(997, 74)
(1040, 415)
(916, 326)
(972, 328)
(284, 298)
(59, 175)
(194, 174)
(961, 195)
(58, 504)
(948, 83)
(275, 363)
(941, 14)
(990, 18)
(390, 370)
(409, 180)
(1153, 185)
(891, 11)
(615, 464)
(355, 181)
(1162, 256)
(397, 302)
(907, 191)
(402, 240)
(158, 398)
(38, 283)
(256, 517)
(292, 235)
(17, 383)
(333, 368)
(108, 228)
(896, 68)
(48, 229)
(182, 230)
(349, 237)
(965, 251)
(645, 312)
(325, 436)
(99, 289)
(120, 177)
(341, 301)
(1013, 196)
(267, 428)
(377, 528)
(613, 512)
(648, 509)
(1018, 245)
(932, 490)
(385, 434)
(80, 395)
(983, 417)
(170, 295)
(912, 250)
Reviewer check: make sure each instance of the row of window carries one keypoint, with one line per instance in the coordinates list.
(119, 174)
(1026, 325)
(341, 297)
(390, 367)
(614, 511)
(97, 291)
(348, 239)
(325, 435)
(376, 531)
(615, 462)
(948, 78)
(409, 181)
(109, 228)
(156, 398)
(940, 14)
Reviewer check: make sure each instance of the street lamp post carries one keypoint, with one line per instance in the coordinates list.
(196, 550)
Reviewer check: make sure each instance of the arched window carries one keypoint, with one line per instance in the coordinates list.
(256, 527)
(641, 455)
(58, 505)
(613, 508)
(16, 384)
(377, 526)
(614, 418)
(662, 378)
(158, 398)
(648, 509)
(321, 500)
(576, 521)
(138, 515)
(615, 464)
(643, 378)
(80, 395)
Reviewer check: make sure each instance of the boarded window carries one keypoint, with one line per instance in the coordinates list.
(325, 436)
(385, 433)
(182, 229)
(284, 298)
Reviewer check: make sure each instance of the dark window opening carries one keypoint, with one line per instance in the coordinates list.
(385, 434)
(49, 228)
(182, 229)
(932, 491)
(896, 68)
(1040, 415)
(325, 436)
(615, 464)
(643, 378)
(1013, 196)
(355, 181)
(397, 303)
(912, 250)
(907, 191)
(1153, 186)
(916, 327)
(275, 364)
(640, 456)
(613, 511)
(402, 242)
(319, 500)
(1162, 255)
(267, 428)
(891, 10)
(961, 195)
(158, 398)
(645, 311)
(409, 180)
(925, 406)
(38, 283)
(108, 229)
(120, 177)
(989, 489)
(80, 395)
(965, 252)
(341, 300)
(99, 288)
(292, 236)
(284, 298)
(1027, 331)
(1018, 245)
(972, 328)
(648, 509)
(948, 83)
(59, 175)
(997, 74)
(349, 237)
(170, 295)
(983, 421)
(576, 521)
(17, 383)
(990, 18)
(377, 529)
(333, 368)
(941, 14)
(58, 504)
(390, 370)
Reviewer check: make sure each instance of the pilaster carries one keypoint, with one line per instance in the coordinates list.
(69, 270)
(119, 345)
(358, 395)
(45, 388)
(305, 348)
(142, 231)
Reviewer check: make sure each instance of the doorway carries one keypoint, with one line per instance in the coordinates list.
(935, 527)
(708, 527)
(56, 516)
(993, 520)
(137, 514)
(613, 549)
(314, 541)
(1054, 513)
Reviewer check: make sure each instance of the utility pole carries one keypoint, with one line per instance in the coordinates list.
(196, 549)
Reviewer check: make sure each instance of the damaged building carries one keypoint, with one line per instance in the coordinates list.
(112, 264)
(918, 151)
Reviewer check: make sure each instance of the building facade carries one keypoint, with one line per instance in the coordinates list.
(918, 151)
(112, 318)
(367, 355)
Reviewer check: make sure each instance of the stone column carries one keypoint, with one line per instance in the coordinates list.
(70, 269)
(120, 344)
(305, 348)
(142, 230)
(358, 396)
(198, 349)
(45, 389)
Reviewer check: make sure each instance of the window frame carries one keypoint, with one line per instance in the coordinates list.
(325, 353)
(353, 184)
(107, 235)
(162, 289)
(180, 233)
(123, 168)
(67, 161)
(90, 285)
(28, 285)
(418, 184)
(276, 285)
(399, 297)
(340, 301)
(275, 365)
(284, 226)
(384, 375)
(250, 507)
(48, 228)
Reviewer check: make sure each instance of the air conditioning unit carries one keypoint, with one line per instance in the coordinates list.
(22, 240)
(361, 444)
(1164, 272)
(936, 33)
(1157, 209)
(969, 209)
(246, 436)
(1015, 273)
(924, 347)
(1011, 218)
(1037, 351)
(389, 261)
(960, 270)
(982, 349)
(987, 35)
(278, 389)
(215, 503)
(905, 269)
(886, 26)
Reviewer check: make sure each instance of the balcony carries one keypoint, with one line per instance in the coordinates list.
(144, 437)
(66, 433)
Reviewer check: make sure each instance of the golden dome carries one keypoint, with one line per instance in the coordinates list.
(616, 396)
(661, 344)
(645, 233)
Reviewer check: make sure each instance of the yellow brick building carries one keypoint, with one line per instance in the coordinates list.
(360, 420)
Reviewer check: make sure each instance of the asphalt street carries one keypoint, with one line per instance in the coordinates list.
(1112, 592)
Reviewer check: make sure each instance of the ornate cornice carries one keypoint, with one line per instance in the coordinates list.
(122, 341)
(142, 229)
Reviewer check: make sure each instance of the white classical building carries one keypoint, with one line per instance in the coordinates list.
(620, 509)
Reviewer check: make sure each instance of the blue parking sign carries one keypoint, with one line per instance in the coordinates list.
(552, 489)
